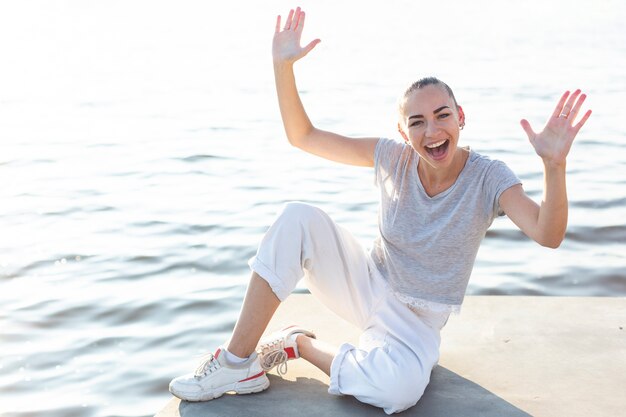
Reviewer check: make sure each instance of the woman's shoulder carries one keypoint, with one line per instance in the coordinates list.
(485, 165)
(482, 160)
(388, 143)
(390, 148)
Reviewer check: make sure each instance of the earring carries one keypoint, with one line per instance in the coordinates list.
(461, 126)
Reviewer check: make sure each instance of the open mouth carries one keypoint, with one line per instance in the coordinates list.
(438, 150)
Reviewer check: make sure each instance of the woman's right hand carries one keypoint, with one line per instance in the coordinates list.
(286, 45)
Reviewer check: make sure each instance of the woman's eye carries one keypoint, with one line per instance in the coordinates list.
(416, 123)
(444, 115)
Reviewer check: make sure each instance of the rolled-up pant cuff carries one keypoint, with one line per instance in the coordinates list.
(275, 283)
(335, 366)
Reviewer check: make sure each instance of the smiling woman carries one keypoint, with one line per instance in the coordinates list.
(430, 122)
(436, 199)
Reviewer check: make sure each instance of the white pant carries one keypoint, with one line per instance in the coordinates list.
(398, 348)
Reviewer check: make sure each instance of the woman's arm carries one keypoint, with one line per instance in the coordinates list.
(286, 50)
(546, 223)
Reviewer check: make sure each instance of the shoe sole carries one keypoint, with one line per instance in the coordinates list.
(246, 387)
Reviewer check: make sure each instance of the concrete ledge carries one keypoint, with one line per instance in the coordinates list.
(503, 356)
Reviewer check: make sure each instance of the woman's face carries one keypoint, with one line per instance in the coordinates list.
(430, 124)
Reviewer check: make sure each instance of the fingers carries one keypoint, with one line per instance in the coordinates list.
(300, 21)
(582, 121)
(567, 108)
(529, 130)
(574, 112)
(295, 20)
(559, 106)
(277, 29)
(571, 106)
(311, 45)
(294, 17)
(289, 19)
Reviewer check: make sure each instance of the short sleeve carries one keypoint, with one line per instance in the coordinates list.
(499, 179)
(387, 156)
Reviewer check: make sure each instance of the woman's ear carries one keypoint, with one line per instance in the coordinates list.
(404, 136)
(461, 117)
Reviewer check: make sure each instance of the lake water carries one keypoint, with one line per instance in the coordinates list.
(142, 157)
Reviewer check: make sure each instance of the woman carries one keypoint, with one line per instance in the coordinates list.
(437, 201)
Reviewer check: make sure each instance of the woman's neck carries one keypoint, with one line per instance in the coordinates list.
(435, 180)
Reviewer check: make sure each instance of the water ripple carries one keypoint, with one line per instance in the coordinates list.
(598, 235)
(599, 203)
(200, 158)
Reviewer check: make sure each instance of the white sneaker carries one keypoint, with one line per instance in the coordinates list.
(216, 376)
(279, 347)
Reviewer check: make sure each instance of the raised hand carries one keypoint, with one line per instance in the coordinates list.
(553, 143)
(286, 45)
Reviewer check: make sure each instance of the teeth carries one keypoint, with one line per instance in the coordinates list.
(434, 145)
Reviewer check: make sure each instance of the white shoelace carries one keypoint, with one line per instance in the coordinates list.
(276, 356)
(209, 364)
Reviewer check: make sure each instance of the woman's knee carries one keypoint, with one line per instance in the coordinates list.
(298, 212)
(400, 392)
(296, 215)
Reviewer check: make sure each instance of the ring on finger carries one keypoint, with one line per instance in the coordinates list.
(563, 115)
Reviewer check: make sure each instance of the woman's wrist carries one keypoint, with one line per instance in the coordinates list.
(551, 164)
(281, 64)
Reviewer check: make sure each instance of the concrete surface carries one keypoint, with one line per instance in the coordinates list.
(502, 356)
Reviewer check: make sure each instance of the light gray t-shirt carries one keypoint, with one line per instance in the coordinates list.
(427, 245)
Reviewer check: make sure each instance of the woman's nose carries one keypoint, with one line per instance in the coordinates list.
(432, 129)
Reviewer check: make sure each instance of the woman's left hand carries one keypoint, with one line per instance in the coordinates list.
(553, 143)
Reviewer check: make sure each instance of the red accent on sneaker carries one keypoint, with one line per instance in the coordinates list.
(253, 377)
(291, 353)
(217, 353)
